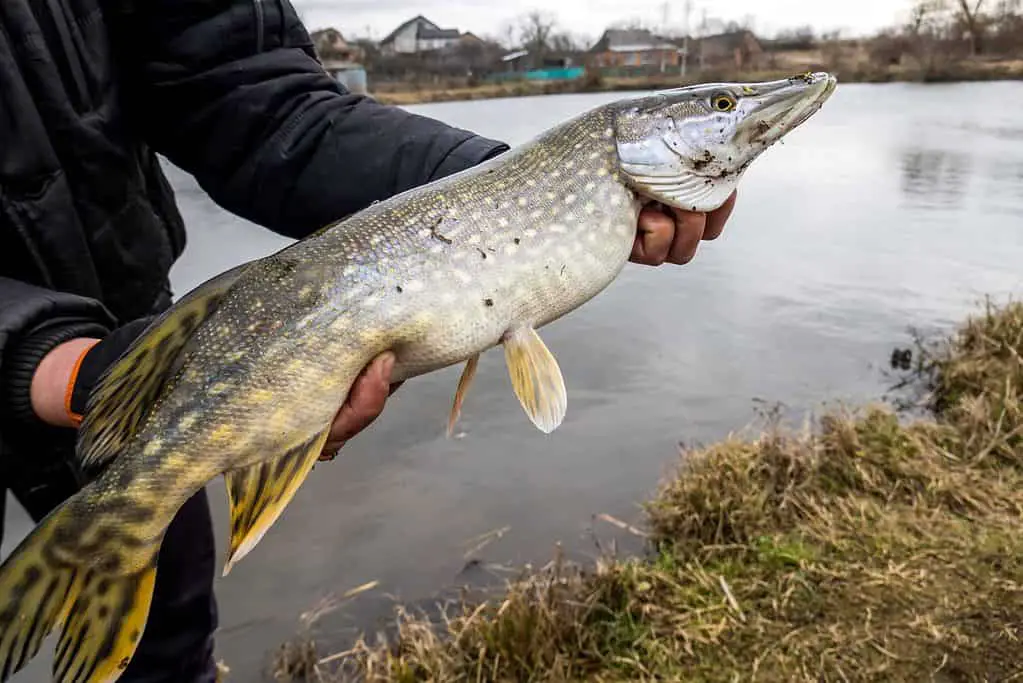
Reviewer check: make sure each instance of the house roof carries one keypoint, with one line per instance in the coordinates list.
(419, 18)
(731, 38)
(640, 47)
(427, 30)
(435, 34)
(630, 40)
(512, 56)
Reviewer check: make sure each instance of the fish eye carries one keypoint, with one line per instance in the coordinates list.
(723, 102)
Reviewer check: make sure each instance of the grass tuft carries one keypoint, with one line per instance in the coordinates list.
(867, 548)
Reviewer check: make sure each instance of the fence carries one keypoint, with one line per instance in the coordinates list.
(555, 74)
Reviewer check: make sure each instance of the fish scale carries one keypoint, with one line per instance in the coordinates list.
(243, 376)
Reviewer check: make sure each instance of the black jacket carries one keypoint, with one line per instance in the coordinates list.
(230, 91)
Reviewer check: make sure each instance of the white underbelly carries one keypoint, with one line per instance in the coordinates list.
(480, 295)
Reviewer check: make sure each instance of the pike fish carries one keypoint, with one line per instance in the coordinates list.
(243, 376)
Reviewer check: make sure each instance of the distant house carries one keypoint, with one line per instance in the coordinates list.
(634, 48)
(517, 60)
(738, 49)
(419, 34)
(331, 45)
(524, 60)
(470, 38)
(340, 59)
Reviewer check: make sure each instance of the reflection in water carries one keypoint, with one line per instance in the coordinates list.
(1005, 185)
(1013, 133)
(934, 178)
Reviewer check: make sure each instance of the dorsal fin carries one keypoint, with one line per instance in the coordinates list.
(126, 390)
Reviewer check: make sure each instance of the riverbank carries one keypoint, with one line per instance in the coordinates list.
(977, 70)
(872, 547)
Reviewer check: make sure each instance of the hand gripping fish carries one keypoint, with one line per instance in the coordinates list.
(244, 375)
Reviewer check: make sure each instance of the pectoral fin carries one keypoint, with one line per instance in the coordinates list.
(259, 493)
(463, 387)
(536, 378)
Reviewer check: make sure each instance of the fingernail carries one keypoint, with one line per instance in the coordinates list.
(387, 365)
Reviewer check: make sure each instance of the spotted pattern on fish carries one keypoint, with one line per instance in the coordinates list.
(124, 393)
(245, 374)
(105, 611)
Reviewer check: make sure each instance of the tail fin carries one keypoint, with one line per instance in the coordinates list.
(102, 615)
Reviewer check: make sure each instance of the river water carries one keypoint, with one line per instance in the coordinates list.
(896, 206)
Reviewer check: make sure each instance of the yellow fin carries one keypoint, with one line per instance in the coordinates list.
(127, 390)
(104, 626)
(463, 387)
(536, 378)
(103, 614)
(36, 590)
(259, 493)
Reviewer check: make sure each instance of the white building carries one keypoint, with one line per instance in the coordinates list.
(419, 34)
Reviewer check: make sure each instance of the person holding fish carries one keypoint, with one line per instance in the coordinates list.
(231, 92)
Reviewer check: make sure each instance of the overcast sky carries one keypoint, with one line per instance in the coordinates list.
(376, 18)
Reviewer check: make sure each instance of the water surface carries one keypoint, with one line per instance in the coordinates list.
(897, 206)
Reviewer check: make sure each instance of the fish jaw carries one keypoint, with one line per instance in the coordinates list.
(690, 147)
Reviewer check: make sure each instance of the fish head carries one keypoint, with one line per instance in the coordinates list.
(689, 147)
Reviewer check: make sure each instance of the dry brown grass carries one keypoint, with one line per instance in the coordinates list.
(853, 72)
(867, 548)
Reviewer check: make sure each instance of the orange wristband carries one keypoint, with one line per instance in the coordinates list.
(75, 418)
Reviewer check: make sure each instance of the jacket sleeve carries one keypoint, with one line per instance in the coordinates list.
(232, 92)
(33, 320)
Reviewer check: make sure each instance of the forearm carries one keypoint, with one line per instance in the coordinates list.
(53, 379)
(236, 97)
(33, 322)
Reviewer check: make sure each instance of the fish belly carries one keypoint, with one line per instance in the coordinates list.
(475, 295)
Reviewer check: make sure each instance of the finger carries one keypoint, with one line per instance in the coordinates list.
(689, 228)
(716, 219)
(364, 404)
(653, 238)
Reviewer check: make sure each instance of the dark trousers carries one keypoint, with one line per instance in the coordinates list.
(177, 644)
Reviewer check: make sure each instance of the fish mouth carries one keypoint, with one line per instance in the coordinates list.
(786, 104)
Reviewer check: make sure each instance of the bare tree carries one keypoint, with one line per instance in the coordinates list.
(567, 42)
(1004, 33)
(928, 36)
(535, 29)
(796, 38)
(508, 34)
(630, 24)
(973, 22)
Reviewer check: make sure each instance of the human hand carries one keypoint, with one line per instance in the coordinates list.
(675, 238)
(364, 404)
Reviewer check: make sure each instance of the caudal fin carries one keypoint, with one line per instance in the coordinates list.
(102, 614)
